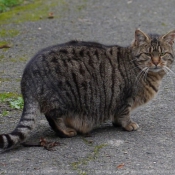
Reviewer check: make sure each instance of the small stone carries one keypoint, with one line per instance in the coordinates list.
(129, 2)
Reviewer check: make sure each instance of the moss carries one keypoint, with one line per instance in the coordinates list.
(9, 79)
(30, 12)
(5, 5)
(18, 80)
(84, 161)
(21, 59)
(4, 79)
(82, 6)
(4, 113)
(8, 33)
(163, 24)
(88, 142)
(3, 43)
(8, 95)
(1, 57)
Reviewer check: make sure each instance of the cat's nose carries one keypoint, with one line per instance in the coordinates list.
(156, 63)
(155, 60)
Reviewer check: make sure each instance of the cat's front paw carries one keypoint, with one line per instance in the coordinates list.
(132, 126)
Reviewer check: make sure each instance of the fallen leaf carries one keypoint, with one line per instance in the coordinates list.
(42, 143)
(50, 16)
(120, 166)
(48, 145)
(3, 164)
(4, 46)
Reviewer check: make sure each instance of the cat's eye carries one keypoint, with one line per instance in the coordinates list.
(147, 54)
(162, 54)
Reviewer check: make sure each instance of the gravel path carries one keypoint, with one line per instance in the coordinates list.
(109, 151)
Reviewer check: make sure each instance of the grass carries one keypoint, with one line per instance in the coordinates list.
(1, 58)
(37, 10)
(5, 113)
(8, 33)
(3, 43)
(15, 101)
(6, 43)
(5, 5)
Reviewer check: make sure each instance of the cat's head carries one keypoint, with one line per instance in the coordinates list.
(153, 52)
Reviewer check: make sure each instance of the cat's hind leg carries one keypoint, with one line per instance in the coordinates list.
(58, 125)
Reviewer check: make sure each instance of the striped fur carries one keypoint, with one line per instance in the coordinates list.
(79, 85)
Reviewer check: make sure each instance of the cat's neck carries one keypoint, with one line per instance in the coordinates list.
(156, 75)
(153, 80)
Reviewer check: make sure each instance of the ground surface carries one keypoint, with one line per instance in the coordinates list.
(109, 151)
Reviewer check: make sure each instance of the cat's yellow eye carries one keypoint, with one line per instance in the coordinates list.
(162, 54)
(148, 54)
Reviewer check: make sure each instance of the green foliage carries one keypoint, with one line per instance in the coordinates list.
(31, 11)
(5, 96)
(15, 101)
(5, 5)
(84, 161)
(3, 43)
(8, 33)
(5, 113)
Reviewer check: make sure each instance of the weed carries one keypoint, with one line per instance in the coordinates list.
(15, 101)
(88, 142)
(27, 12)
(5, 113)
(1, 57)
(3, 43)
(90, 157)
(8, 33)
(5, 5)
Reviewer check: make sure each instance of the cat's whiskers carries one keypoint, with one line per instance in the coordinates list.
(136, 67)
(169, 70)
(145, 74)
(133, 60)
(141, 74)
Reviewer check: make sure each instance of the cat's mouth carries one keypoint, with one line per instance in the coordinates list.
(155, 69)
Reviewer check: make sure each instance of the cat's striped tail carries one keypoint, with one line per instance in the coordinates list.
(24, 127)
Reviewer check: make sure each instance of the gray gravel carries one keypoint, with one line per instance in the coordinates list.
(110, 150)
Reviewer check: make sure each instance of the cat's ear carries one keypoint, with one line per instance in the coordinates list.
(169, 37)
(140, 38)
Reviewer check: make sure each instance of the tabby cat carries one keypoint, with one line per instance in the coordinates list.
(79, 85)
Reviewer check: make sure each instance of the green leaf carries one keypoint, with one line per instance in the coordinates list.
(5, 113)
(17, 103)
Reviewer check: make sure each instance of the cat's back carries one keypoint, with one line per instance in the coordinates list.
(74, 47)
(81, 55)
(74, 50)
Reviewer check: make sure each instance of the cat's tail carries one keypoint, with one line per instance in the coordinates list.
(24, 127)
